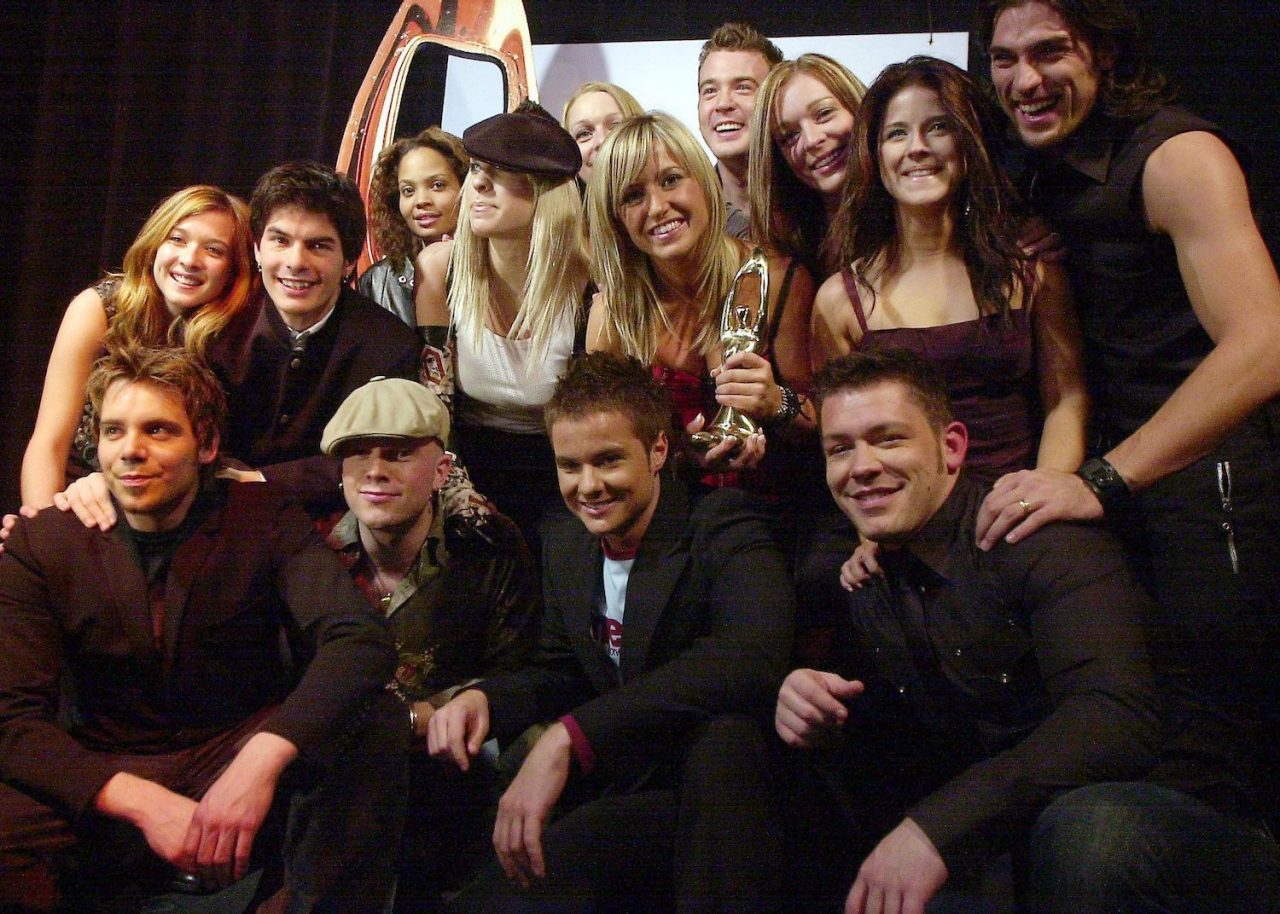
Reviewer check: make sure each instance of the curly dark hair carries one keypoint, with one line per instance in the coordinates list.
(859, 370)
(315, 188)
(1132, 87)
(605, 382)
(988, 213)
(395, 241)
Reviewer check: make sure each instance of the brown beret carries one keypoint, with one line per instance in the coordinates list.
(387, 408)
(527, 140)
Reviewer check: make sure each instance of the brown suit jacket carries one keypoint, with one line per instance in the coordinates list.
(252, 577)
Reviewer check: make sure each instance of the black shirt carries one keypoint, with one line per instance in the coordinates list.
(1003, 677)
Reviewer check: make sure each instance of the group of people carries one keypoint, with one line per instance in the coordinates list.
(435, 593)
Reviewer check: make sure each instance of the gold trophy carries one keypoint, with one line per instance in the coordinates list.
(738, 333)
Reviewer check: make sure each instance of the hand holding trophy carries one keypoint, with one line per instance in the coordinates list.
(738, 333)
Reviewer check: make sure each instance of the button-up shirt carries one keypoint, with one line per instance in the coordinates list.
(1003, 676)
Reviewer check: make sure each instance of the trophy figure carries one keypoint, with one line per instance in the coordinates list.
(738, 333)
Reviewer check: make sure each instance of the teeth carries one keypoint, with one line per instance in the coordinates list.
(666, 228)
(189, 282)
(728, 127)
(297, 285)
(1036, 107)
(826, 159)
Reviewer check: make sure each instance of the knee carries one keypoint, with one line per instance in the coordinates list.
(1089, 845)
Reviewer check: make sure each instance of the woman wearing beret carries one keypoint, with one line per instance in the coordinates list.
(502, 304)
(656, 222)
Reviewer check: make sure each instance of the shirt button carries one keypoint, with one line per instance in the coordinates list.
(1004, 678)
(296, 363)
(284, 419)
(902, 690)
(957, 652)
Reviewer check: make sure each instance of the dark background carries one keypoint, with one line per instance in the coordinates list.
(105, 108)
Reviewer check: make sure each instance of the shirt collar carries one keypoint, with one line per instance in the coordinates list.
(300, 337)
(948, 536)
(1089, 150)
(432, 557)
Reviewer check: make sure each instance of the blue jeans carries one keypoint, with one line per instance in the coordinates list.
(1137, 848)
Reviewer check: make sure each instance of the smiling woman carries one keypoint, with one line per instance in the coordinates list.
(186, 275)
(665, 266)
(929, 239)
(800, 134)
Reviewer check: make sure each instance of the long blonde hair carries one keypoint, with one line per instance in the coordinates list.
(626, 276)
(141, 315)
(787, 216)
(556, 272)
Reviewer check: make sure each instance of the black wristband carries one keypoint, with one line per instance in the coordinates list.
(1105, 481)
(789, 409)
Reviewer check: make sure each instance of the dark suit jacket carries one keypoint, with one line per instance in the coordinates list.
(707, 631)
(280, 395)
(74, 601)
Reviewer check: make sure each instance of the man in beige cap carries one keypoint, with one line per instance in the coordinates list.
(462, 605)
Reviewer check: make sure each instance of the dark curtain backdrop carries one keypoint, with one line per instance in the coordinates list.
(107, 107)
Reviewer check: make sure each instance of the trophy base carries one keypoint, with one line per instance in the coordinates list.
(707, 439)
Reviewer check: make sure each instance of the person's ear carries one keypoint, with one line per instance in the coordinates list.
(955, 444)
(442, 471)
(209, 454)
(658, 453)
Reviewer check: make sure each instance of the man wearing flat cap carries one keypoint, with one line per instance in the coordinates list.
(461, 606)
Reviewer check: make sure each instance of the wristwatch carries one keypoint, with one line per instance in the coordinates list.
(1105, 481)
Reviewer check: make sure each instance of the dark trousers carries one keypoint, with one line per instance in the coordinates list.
(330, 836)
(709, 843)
(1135, 848)
(1205, 542)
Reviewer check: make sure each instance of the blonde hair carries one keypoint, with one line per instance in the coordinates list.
(556, 273)
(633, 310)
(141, 315)
(627, 104)
(787, 215)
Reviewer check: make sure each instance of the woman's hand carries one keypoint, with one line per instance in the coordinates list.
(745, 382)
(7, 522)
(729, 454)
(90, 499)
(860, 566)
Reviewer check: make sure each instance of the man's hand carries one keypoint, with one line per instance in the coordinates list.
(227, 819)
(90, 499)
(163, 817)
(458, 730)
(1021, 503)
(523, 809)
(861, 566)
(900, 876)
(811, 706)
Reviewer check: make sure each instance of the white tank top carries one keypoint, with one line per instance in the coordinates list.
(500, 389)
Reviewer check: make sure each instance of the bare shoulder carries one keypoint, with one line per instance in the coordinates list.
(1192, 181)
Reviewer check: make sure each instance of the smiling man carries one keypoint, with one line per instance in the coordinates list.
(965, 688)
(665, 633)
(189, 735)
(1179, 307)
(287, 364)
(732, 64)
